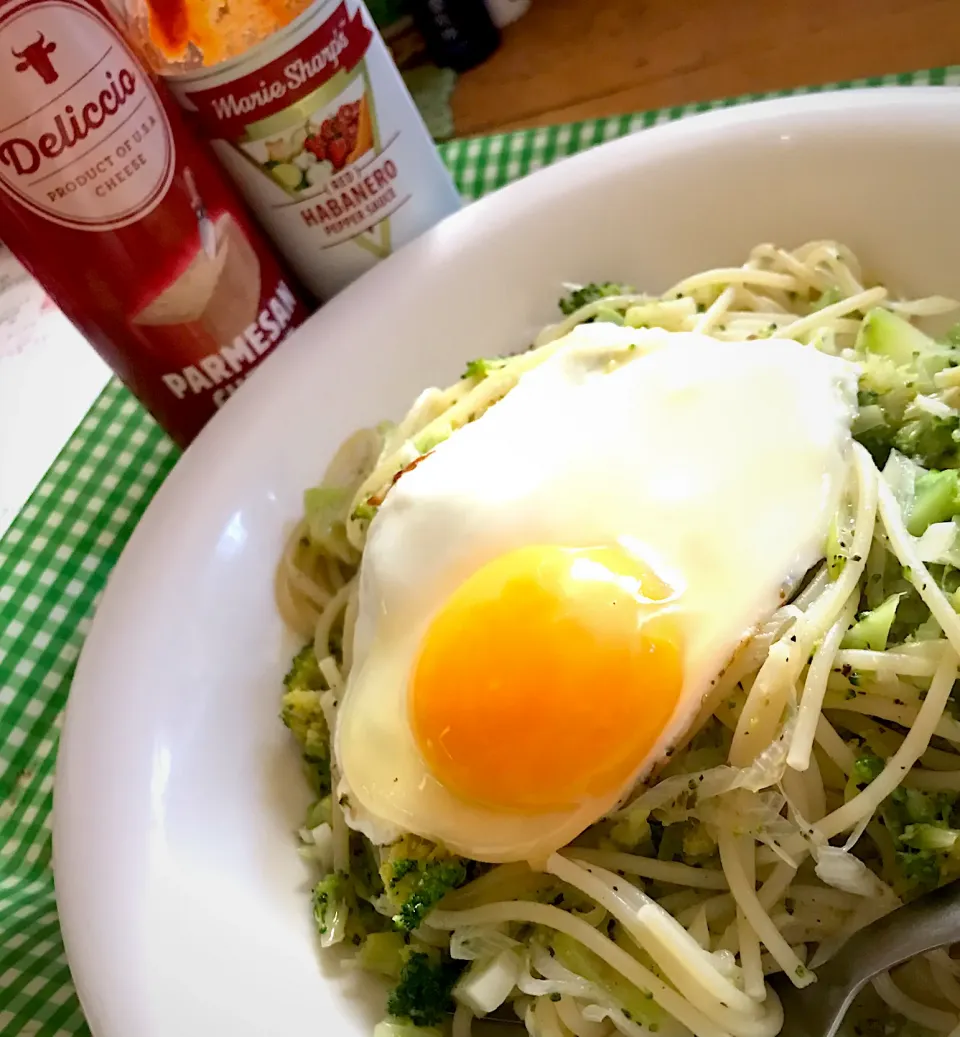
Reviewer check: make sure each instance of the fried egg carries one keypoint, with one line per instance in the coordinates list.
(546, 598)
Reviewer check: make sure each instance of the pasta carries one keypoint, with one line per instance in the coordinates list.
(817, 788)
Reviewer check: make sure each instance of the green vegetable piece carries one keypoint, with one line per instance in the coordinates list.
(873, 628)
(429, 438)
(330, 905)
(302, 713)
(697, 840)
(913, 806)
(434, 882)
(591, 293)
(400, 1028)
(579, 959)
(383, 953)
(401, 869)
(304, 673)
(867, 767)
(608, 315)
(646, 315)
(930, 837)
(323, 507)
(632, 829)
(417, 874)
(936, 499)
(920, 869)
(926, 840)
(930, 440)
(885, 333)
(877, 433)
(423, 994)
(364, 512)
(319, 813)
(483, 366)
(827, 298)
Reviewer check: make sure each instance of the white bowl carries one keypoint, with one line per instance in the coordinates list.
(183, 901)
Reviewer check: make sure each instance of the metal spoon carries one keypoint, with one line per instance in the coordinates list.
(927, 923)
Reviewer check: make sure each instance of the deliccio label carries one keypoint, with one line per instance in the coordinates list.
(317, 129)
(84, 139)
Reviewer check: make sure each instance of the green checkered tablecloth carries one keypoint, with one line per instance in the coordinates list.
(54, 562)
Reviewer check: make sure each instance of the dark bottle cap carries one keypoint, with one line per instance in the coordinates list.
(459, 33)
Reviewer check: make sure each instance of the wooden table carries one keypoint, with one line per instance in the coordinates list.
(578, 59)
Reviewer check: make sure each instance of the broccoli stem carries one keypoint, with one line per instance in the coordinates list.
(935, 501)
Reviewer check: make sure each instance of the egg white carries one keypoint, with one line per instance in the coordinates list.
(721, 462)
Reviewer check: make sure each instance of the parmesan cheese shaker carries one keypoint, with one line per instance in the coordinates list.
(127, 221)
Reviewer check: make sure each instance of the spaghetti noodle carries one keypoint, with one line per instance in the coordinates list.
(816, 789)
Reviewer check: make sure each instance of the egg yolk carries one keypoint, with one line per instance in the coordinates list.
(547, 678)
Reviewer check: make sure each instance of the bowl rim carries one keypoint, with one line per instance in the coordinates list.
(82, 889)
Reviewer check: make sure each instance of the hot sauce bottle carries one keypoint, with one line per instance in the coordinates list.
(307, 112)
(111, 202)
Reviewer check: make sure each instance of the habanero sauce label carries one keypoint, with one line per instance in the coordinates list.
(88, 145)
(317, 129)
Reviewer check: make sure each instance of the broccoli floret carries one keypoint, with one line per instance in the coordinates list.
(401, 869)
(930, 440)
(304, 673)
(877, 439)
(340, 914)
(300, 710)
(914, 807)
(923, 828)
(331, 897)
(423, 993)
(417, 874)
(591, 293)
(878, 442)
(433, 884)
(920, 869)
